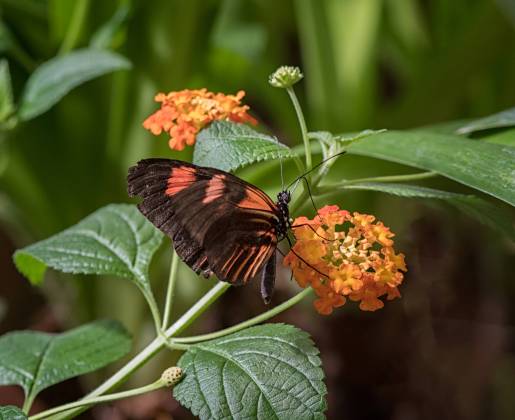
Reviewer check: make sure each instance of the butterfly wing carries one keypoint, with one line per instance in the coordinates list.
(218, 222)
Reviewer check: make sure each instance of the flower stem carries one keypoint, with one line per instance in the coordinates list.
(172, 279)
(303, 127)
(248, 323)
(149, 297)
(152, 348)
(27, 404)
(96, 400)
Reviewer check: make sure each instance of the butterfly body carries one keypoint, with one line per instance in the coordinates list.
(219, 223)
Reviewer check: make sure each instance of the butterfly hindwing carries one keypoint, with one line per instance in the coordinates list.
(218, 222)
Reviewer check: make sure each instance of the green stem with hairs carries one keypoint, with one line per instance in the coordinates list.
(154, 310)
(153, 347)
(303, 127)
(172, 279)
(248, 323)
(103, 399)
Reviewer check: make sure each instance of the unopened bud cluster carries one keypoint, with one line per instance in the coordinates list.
(285, 77)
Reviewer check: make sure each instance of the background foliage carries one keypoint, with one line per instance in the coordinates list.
(446, 348)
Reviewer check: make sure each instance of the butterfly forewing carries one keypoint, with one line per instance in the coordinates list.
(218, 222)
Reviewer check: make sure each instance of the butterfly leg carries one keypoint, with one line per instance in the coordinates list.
(268, 280)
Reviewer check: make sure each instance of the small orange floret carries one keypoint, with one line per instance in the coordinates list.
(359, 263)
(183, 114)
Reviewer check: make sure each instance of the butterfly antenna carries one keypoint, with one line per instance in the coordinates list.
(282, 178)
(302, 259)
(284, 256)
(315, 232)
(296, 180)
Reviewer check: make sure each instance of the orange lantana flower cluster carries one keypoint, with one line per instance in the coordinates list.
(183, 114)
(343, 255)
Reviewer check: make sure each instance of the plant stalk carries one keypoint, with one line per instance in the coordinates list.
(303, 127)
(96, 400)
(157, 344)
(248, 323)
(170, 291)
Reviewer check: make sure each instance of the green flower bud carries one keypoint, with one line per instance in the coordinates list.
(285, 77)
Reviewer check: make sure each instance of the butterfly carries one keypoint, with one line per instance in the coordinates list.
(219, 223)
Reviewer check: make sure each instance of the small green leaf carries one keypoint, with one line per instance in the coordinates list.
(229, 146)
(484, 166)
(270, 371)
(56, 77)
(485, 212)
(36, 360)
(115, 240)
(6, 94)
(103, 38)
(10, 412)
(505, 118)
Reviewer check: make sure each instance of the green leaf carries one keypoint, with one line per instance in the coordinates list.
(229, 146)
(484, 166)
(10, 412)
(115, 240)
(485, 212)
(103, 38)
(36, 360)
(505, 118)
(56, 77)
(264, 372)
(6, 94)
(506, 137)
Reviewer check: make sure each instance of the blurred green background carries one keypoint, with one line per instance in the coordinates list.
(445, 349)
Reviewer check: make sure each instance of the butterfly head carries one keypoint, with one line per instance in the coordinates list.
(284, 197)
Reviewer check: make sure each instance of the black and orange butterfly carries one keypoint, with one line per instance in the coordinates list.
(219, 223)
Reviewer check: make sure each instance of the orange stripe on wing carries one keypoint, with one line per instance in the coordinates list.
(256, 200)
(232, 260)
(180, 178)
(249, 255)
(215, 189)
(258, 260)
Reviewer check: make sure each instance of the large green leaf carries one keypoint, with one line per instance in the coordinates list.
(36, 360)
(270, 371)
(115, 240)
(487, 167)
(501, 119)
(56, 77)
(493, 216)
(10, 412)
(229, 146)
